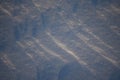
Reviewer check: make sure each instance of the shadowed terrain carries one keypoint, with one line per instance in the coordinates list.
(59, 40)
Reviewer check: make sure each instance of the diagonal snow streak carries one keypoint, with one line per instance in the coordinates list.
(49, 51)
(65, 48)
(97, 49)
(96, 37)
(5, 11)
(8, 62)
(70, 52)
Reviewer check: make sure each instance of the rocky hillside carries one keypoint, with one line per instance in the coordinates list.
(59, 40)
